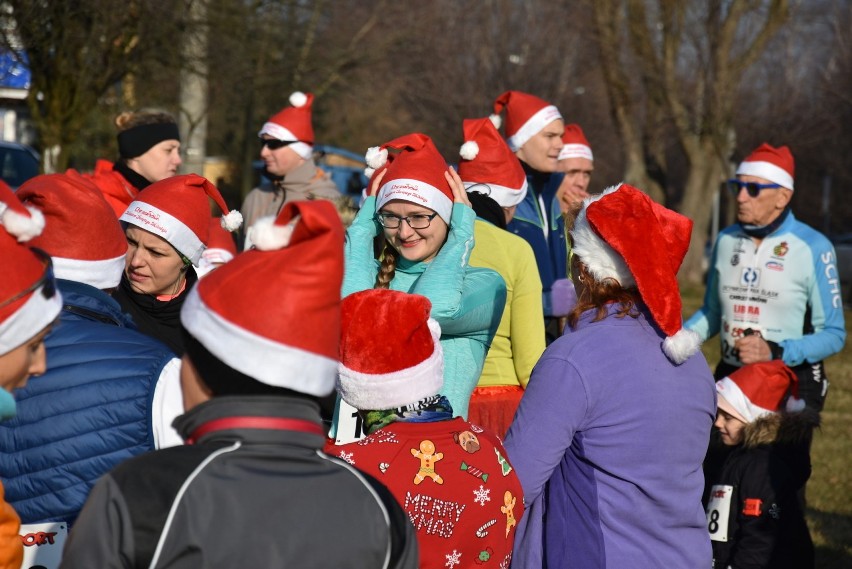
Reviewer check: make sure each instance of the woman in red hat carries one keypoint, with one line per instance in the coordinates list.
(419, 207)
(167, 229)
(29, 303)
(149, 151)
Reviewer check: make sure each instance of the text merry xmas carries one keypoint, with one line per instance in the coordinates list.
(437, 517)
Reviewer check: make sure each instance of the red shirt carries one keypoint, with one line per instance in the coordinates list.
(455, 483)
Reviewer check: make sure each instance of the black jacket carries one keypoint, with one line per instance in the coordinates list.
(242, 496)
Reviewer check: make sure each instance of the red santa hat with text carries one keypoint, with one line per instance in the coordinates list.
(622, 234)
(95, 256)
(759, 389)
(293, 123)
(29, 300)
(770, 163)
(575, 144)
(415, 174)
(178, 210)
(487, 160)
(526, 115)
(273, 313)
(390, 351)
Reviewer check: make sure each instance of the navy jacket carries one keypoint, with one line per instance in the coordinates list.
(88, 412)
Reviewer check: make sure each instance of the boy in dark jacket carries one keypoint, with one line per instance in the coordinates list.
(754, 515)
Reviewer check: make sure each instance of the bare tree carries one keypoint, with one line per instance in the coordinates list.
(691, 57)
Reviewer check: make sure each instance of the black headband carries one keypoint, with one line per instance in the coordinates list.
(138, 140)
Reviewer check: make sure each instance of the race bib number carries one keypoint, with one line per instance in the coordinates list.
(718, 511)
(43, 544)
(349, 425)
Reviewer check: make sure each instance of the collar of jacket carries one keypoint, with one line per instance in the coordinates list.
(90, 303)
(300, 177)
(274, 407)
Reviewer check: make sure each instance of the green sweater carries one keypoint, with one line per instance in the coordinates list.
(467, 302)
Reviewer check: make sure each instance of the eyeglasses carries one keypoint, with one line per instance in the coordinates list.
(46, 281)
(275, 144)
(752, 188)
(417, 221)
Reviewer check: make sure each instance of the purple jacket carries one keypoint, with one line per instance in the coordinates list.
(616, 433)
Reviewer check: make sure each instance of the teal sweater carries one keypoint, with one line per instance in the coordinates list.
(467, 302)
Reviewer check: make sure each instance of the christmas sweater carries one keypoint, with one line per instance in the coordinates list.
(455, 483)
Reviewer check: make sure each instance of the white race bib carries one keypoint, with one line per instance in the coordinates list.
(350, 428)
(43, 544)
(718, 511)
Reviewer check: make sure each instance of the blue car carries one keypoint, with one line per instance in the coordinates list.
(18, 163)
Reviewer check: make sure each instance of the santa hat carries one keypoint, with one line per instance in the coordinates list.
(486, 159)
(273, 313)
(29, 300)
(178, 210)
(81, 232)
(575, 144)
(415, 175)
(758, 389)
(526, 115)
(294, 123)
(390, 354)
(770, 163)
(623, 235)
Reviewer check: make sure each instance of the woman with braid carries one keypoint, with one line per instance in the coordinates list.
(420, 208)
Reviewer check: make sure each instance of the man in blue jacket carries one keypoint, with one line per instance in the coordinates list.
(110, 392)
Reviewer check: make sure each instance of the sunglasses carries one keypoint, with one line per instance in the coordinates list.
(753, 189)
(275, 144)
(47, 281)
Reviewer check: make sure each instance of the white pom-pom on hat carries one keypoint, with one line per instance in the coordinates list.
(298, 99)
(496, 121)
(682, 345)
(376, 157)
(21, 226)
(265, 235)
(469, 150)
(232, 221)
(795, 405)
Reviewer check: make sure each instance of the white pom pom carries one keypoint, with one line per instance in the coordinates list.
(21, 226)
(232, 221)
(469, 150)
(795, 405)
(376, 157)
(496, 121)
(369, 172)
(267, 236)
(298, 99)
(682, 345)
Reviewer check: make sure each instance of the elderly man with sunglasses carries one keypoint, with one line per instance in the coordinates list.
(773, 290)
(286, 148)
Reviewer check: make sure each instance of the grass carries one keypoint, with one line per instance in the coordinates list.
(829, 491)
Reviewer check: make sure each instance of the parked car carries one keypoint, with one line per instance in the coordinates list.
(18, 163)
(843, 248)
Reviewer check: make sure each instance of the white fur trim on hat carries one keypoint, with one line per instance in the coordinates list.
(21, 226)
(469, 150)
(258, 357)
(530, 128)
(601, 260)
(275, 130)
(504, 196)
(381, 391)
(158, 222)
(265, 235)
(682, 345)
(102, 274)
(376, 157)
(767, 171)
(575, 150)
(418, 192)
(232, 221)
(733, 396)
(36, 313)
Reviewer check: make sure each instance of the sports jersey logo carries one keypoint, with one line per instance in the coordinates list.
(781, 249)
(750, 277)
(735, 259)
(774, 266)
